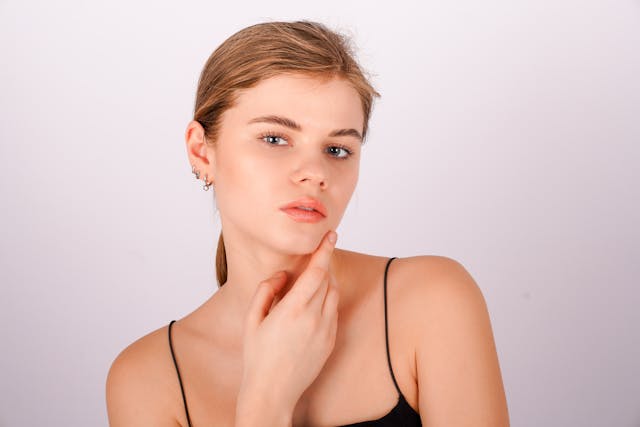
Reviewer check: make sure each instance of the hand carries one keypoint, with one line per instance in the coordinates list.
(286, 347)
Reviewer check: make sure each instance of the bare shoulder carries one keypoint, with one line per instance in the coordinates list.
(442, 299)
(420, 280)
(457, 369)
(142, 384)
(437, 280)
(438, 297)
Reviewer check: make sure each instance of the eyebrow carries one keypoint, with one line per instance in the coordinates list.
(283, 121)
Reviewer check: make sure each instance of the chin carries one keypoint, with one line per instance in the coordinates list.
(301, 242)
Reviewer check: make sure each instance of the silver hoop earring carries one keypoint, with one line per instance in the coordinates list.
(207, 184)
(196, 173)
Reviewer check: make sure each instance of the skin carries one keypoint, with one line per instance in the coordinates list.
(306, 348)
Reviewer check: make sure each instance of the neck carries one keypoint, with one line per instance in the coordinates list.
(250, 264)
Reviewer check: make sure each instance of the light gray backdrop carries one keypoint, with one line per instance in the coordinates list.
(506, 137)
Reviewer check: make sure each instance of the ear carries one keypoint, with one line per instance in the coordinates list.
(201, 155)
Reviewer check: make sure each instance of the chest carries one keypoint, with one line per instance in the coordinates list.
(354, 385)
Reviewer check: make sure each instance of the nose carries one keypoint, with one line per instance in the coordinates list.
(312, 172)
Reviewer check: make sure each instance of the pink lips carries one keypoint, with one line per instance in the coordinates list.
(318, 213)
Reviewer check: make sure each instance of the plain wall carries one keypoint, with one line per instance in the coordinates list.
(506, 138)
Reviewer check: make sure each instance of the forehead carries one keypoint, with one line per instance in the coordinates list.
(311, 101)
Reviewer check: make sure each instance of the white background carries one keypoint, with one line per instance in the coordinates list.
(506, 138)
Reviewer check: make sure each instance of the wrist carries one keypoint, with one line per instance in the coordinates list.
(260, 407)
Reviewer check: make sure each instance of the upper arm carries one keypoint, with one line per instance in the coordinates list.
(136, 391)
(458, 373)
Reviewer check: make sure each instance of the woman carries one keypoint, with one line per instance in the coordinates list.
(302, 333)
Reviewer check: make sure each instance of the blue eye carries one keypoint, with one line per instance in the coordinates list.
(273, 139)
(336, 149)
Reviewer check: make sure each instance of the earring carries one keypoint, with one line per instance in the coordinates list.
(206, 183)
(196, 173)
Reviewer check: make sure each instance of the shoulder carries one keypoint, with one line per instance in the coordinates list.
(418, 280)
(430, 291)
(453, 341)
(142, 383)
(438, 280)
(439, 296)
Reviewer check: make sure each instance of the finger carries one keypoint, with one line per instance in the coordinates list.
(316, 301)
(331, 321)
(331, 300)
(316, 271)
(310, 285)
(321, 257)
(330, 314)
(278, 297)
(263, 298)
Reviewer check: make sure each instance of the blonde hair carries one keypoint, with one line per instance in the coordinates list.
(266, 50)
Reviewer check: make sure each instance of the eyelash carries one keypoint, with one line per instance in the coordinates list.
(266, 135)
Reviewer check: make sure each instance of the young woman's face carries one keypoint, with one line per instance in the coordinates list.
(290, 137)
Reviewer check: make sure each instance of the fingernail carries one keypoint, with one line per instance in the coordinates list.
(333, 237)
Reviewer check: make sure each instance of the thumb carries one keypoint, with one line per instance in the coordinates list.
(263, 299)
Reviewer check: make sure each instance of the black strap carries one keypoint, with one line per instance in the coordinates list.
(386, 325)
(386, 335)
(175, 363)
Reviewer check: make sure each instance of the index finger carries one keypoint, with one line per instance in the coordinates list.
(322, 255)
(314, 274)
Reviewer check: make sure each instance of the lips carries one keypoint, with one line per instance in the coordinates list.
(307, 202)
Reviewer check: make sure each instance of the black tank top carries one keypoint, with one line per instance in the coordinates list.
(402, 415)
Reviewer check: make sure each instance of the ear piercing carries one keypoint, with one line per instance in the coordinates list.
(207, 184)
(196, 173)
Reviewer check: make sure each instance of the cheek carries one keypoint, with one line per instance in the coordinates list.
(236, 167)
(347, 185)
(244, 178)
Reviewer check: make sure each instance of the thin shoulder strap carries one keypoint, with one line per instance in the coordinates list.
(386, 324)
(175, 363)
